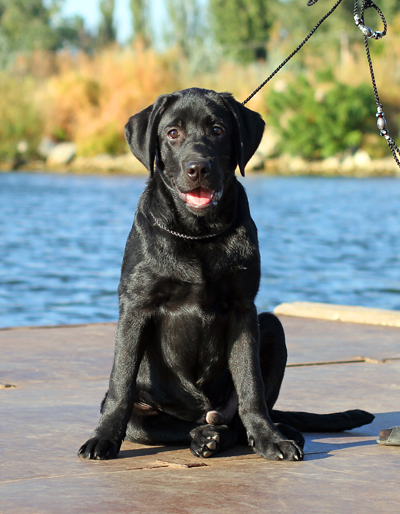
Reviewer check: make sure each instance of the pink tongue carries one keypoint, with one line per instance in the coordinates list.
(199, 196)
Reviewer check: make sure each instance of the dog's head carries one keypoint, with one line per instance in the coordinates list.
(197, 137)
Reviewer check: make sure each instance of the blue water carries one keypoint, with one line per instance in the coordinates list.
(62, 239)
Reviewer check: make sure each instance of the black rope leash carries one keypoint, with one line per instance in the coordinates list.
(310, 2)
(367, 33)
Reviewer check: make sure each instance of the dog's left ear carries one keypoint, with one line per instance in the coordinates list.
(141, 132)
(249, 130)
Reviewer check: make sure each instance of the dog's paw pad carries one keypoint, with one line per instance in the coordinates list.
(208, 448)
(205, 441)
(212, 445)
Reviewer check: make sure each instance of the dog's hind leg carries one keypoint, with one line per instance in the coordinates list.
(150, 426)
(273, 355)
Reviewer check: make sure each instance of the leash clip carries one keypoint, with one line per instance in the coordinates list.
(367, 31)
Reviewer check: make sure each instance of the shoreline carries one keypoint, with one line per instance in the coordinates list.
(356, 166)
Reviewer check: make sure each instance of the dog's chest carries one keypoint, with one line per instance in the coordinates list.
(196, 305)
(205, 278)
(171, 296)
(214, 284)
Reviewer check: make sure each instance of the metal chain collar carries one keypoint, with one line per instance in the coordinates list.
(367, 33)
(184, 236)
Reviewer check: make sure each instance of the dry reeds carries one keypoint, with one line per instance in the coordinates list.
(88, 99)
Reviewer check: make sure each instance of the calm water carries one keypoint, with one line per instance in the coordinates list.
(322, 240)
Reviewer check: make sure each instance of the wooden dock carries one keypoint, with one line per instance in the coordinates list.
(60, 375)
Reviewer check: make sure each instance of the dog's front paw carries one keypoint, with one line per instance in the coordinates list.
(98, 449)
(278, 450)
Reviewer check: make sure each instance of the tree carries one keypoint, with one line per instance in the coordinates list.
(107, 33)
(29, 26)
(186, 26)
(296, 19)
(26, 25)
(141, 24)
(73, 33)
(241, 27)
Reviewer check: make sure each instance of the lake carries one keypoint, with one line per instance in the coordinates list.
(62, 237)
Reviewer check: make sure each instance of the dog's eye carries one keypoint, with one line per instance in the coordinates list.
(173, 134)
(216, 130)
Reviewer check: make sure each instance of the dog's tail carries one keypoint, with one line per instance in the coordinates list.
(335, 422)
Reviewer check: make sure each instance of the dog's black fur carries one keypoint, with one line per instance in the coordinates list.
(194, 364)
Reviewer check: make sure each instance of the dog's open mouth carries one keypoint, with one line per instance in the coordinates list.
(200, 197)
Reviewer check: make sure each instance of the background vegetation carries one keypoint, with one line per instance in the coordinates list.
(62, 81)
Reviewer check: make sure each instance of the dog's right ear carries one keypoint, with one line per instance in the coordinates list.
(141, 132)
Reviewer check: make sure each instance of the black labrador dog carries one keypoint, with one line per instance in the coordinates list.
(194, 364)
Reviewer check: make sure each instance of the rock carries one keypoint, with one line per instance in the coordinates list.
(256, 162)
(46, 146)
(347, 164)
(63, 153)
(298, 165)
(361, 158)
(330, 164)
(265, 149)
(268, 142)
(22, 146)
(104, 163)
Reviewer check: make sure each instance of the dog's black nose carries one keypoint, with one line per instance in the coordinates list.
(198, 170)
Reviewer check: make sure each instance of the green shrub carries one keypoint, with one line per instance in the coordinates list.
(315, 128)
(20, 119)
(108, 139)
